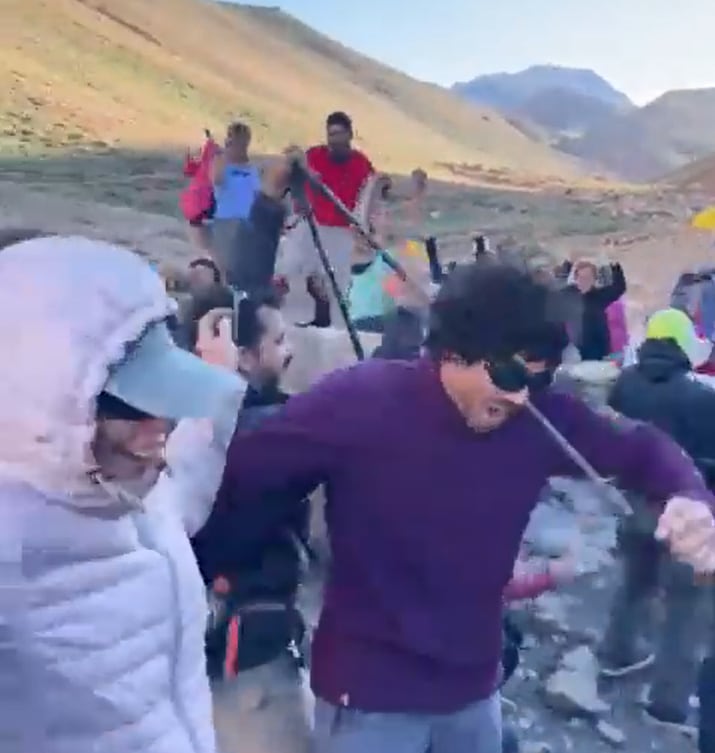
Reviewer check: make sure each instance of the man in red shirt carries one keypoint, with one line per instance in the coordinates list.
(347, 172)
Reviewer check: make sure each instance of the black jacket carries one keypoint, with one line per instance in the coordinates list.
(403, 335)
(263, 398)
(251, 265)
(661, 390)
(261, 554)
(594, 340)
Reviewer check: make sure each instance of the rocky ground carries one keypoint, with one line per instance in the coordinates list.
(560, 704)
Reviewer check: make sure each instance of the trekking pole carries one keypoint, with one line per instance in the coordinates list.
(355, 223)
(614, 496)
(297, 189)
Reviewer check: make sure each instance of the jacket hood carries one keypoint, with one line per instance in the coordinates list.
(660, 360)
(69, 307)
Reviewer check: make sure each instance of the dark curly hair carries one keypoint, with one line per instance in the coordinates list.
(339, 118)
(487, 311)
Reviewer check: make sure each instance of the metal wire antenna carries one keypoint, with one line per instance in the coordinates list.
(611, 494)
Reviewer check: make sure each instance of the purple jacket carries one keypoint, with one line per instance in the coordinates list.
(425, 519)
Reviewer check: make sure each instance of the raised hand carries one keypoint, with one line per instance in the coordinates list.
(687, 526)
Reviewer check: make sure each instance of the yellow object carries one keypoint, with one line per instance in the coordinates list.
(704, 220)
(415, 250)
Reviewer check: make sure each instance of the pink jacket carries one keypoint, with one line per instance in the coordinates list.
(617, 327)
(197, 197)
(529, 586)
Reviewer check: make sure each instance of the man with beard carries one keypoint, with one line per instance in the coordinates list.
(407, 653)
(345, 171)
(252, 566)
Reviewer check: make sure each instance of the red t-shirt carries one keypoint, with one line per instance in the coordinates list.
(345, 179)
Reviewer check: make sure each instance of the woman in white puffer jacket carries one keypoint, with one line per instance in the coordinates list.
(102, 610)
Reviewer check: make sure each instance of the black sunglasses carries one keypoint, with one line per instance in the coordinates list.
(509, 374)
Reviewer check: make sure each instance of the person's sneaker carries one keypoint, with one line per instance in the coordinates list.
(318, 323)
(622, 669)
(321, 319)
(671, 720)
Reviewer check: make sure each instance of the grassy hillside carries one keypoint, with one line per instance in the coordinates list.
(150, 75)
(647, 143)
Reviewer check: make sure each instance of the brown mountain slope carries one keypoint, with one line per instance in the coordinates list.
(695, 176)
(646, 143)
(152, 74)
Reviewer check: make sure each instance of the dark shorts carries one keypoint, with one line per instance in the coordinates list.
(374, 324)
(205, 216)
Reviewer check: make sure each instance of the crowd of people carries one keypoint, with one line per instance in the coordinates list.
(156, 483)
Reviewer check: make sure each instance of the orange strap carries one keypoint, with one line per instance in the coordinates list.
(230, 665)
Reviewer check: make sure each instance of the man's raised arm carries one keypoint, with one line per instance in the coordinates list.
(293, 451)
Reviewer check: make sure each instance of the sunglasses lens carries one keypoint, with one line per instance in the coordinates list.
(508, 376)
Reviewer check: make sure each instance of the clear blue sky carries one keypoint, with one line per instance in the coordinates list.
(643, 47)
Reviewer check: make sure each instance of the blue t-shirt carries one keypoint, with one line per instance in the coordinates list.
(367, 297)
(236, 192)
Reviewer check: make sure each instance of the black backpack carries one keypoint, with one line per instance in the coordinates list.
(513, 640)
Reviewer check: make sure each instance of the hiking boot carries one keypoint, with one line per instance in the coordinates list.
(321, 318)
(670, 719)
(320, 323)
(625, 668)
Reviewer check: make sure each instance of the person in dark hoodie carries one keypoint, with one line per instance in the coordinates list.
(408, 649)
(592, 336)
(661, 389)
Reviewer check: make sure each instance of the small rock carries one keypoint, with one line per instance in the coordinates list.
(549, 611)
(611, 734)
(592, 636)
(573, 688)
(539, 747)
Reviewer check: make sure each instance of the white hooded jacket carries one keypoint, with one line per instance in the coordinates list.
(102, 609)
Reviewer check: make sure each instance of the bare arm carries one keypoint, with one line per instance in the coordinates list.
(218, 167)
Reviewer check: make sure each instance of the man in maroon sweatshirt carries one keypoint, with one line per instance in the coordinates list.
(431, 470)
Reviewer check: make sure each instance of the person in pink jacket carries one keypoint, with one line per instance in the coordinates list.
(617, 329)
(197, 200)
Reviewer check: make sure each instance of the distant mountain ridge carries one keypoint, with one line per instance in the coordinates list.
(582, 114)
(511, 91)
(649, 142)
